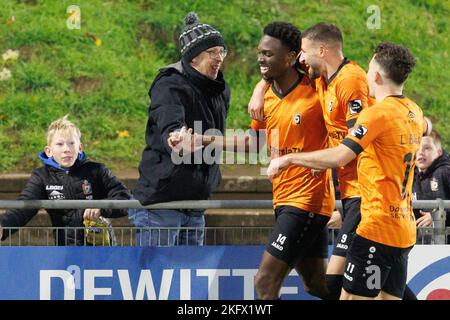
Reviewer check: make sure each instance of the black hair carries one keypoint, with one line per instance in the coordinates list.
(287, 33)
(397, 61)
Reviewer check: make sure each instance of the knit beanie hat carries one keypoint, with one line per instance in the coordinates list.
(197, 37)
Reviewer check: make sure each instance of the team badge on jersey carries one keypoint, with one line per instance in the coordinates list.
(359, 132)
(355, 106)
(434, 185)
(87, 188)
(297, 118)
(330, 106)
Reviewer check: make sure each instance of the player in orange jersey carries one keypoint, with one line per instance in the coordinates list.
(302, 203)
(386, 136)
(344, 93)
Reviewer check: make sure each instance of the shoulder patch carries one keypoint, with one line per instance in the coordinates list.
(359, 132)
(355, 106)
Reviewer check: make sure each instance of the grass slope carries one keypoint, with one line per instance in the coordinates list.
(104, 86)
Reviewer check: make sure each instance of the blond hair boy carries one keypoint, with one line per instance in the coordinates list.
(66, 174)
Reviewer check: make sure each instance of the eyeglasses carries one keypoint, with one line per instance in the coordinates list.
(215, 54)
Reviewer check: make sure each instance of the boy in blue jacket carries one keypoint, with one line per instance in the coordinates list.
(66, 175)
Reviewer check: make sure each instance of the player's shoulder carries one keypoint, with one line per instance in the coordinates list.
(307, 86)
(352, 75)
(400, 100)
(375, 112)
(354, 68)
(412, 103)
(351, 78)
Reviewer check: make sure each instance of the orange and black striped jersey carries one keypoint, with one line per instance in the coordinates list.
(343, 97)
(294, 123)
(386, 137)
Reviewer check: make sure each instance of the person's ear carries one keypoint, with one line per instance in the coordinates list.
(292, 58)
(322, 50)
(439, 151)
(81, 148)
(48, 151)
(378, 78)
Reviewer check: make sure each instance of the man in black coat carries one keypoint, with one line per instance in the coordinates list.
(432, 177)
(191, 93)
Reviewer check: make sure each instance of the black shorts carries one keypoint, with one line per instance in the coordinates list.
(298, 234)
(351, 208)
(372, 267)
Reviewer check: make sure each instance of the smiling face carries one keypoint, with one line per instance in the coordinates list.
(310, 57)
(274, 58)
(64, 147)
(208, 62)
(427, 153)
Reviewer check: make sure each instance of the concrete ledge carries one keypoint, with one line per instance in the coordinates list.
(12, 184)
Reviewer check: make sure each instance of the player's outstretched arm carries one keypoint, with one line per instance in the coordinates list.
(322, 159)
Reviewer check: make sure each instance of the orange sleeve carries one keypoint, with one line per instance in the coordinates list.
(352, 93)
(368, 127)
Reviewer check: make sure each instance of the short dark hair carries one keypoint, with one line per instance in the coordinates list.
(325, 32)
(396, 61)
(287, 33)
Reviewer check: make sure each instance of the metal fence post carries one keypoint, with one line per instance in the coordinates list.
(439, 223)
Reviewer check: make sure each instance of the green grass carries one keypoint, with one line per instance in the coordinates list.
(104, 88)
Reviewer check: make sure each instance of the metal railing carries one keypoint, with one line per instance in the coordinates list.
(128, 236)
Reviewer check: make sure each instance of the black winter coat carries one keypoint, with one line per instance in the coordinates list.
(180, 96)
(85, 180)
(434, 183)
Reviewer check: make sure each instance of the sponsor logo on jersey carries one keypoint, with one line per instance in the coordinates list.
(355, 106)
(359, 132)
(51, 187)
(56, 195)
